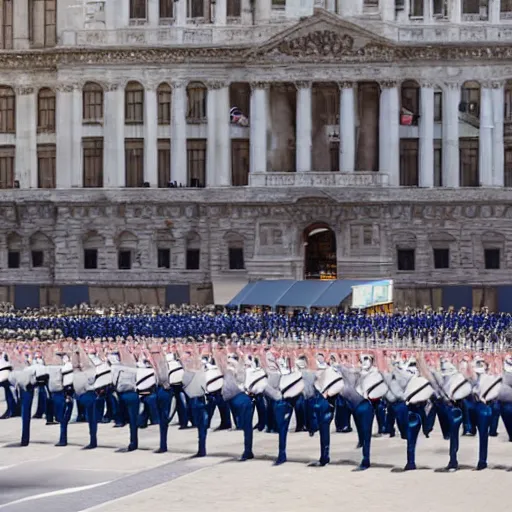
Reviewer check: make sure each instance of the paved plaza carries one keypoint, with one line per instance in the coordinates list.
(45, 478)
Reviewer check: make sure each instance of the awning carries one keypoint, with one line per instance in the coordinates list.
(262, 293)
(336, 293)
(285, 292)
(225, 289)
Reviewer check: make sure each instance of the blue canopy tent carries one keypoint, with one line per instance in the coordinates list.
(288, 293)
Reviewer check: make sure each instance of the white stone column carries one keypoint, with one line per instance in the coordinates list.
(150, 136)
(179, 133)
(304, 135)
(485, 145)
(347, 128)
(221, 12)
(263, 11)
(389, 134)
(494, 11)
(223, 126)
(64, 136)
(387, 9)
(113, 139)
(455, 13)
(427, 11)
(211, 150)
(246, 17)
(20, 24)
(181, 13)
(26, 142)
(153, 13)
(258, 127)
(498, 100)
(77, 180)
(426, 136)
(450, 150)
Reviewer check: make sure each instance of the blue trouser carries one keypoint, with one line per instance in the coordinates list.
(26, 399)
(283, 410)
(495, 418)
(415, 418)
(506, 416)
(163, 401)
(363, 418)
(443, 416)
(244, 407)
(215, 400)
(199, 414)
(398, 412)
(181, 404)
(63, 404)
(323, 413)
(468, 415)
(271, 415)
(261, 408)
(453, 416)
(42, 398)
(342, 415)
(88, 402)
(149, 411)
(379, 407)
(483, 418)
(9, 399)
(130, 401)
(300, 414)
(112, 405)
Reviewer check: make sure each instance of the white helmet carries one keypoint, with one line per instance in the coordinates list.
(447, 367)
(479, 365)
(366, 361)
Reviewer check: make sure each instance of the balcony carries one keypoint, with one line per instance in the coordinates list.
(318, 179)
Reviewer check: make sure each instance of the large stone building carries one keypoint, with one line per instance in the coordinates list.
(370, 139)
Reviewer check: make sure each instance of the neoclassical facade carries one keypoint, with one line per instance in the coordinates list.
(152, 142)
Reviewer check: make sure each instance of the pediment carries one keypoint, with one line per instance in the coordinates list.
(323, 36)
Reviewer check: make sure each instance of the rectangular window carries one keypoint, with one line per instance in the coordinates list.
(441, 258)
(438, 106)
(46, 103)
(93, 162)
(124, 260)
(90, 259)
(7, 166)
(469, 159)
(13, 259)
(46, 165)
(240, 154)
(164, 163)
(196, 9)
(37, 259)
(508, 167)
(492, 259)
(43, 23)
(164, 258)
(406, 260)
(438, 163)
(138, 9)
(234, 8)
(416, 10)
(134, 162)
(196, 162)
(409, 162)
(7, 110)
(506, 9)
(193, 259)
(134, 104)
(164, 105)
(367, 236)
(440, 8)
(92, 101)
(236, 258)
(334, 154)
(278, 4)
(7, 24)
(167, 9)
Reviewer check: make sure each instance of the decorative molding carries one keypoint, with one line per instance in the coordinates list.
(498, 84)
(346, 85)
(388, 84)
(24, 90)
(303, 84)
(260, 85)
(68, 87)
(111, 86)
(216, 85)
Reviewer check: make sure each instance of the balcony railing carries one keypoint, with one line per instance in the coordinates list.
(318, 179)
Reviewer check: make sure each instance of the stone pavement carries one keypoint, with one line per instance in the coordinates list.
(45, 478)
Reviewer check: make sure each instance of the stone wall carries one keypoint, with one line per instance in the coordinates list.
(369, 225)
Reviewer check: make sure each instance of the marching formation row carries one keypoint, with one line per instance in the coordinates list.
(135, 381)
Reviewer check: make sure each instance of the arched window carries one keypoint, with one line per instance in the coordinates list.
(46, 111)
(164, 92)
(7, 110)
(164, 242)
(41, 249)
(92, 100)
(126, 250)
(14, 248)
(134, 103)
(92, 243)
(235, 246)
(196, 98)
(193, 255)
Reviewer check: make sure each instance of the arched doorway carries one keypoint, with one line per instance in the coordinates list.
(320, 252)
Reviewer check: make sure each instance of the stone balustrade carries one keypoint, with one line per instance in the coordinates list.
(318, 179)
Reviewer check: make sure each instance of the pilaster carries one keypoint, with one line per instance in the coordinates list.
(179, 133)
(389, 135)
(258, 126)
(20, 22)
(304, 141)
(150, 136)
(347, 128)
(113, 143)
(498, 99)
(485, 156)
(426, 136)
(64, 136)
(451, 158)
(26, 137)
